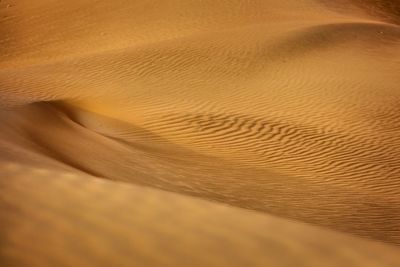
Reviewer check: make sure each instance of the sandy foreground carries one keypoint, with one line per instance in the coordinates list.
(199, 133)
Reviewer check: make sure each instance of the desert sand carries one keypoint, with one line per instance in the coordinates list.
(204, 133)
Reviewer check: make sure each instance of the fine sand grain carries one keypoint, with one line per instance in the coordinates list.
(274, 125)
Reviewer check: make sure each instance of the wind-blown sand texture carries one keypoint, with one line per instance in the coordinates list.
(274, 125)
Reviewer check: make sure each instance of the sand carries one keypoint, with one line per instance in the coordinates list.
(215, 133)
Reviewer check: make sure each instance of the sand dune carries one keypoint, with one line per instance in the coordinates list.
(286, 108)
(87, 221)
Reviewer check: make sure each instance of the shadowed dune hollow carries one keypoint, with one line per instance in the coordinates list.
(204, 133)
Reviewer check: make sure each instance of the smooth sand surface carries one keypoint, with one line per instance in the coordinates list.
(281, 118)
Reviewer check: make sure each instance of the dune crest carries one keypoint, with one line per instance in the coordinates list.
(287, 108)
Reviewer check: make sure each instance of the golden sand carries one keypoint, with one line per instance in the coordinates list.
(274, 125)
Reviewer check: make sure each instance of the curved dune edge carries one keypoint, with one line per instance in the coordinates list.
(289, 108)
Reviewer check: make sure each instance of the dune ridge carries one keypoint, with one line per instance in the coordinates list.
(286, 108)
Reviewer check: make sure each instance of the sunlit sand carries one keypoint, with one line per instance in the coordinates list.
(203, 133)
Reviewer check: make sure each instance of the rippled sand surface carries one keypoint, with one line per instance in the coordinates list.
(203, 133)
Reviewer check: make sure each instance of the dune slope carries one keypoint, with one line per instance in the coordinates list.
(288, 108)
